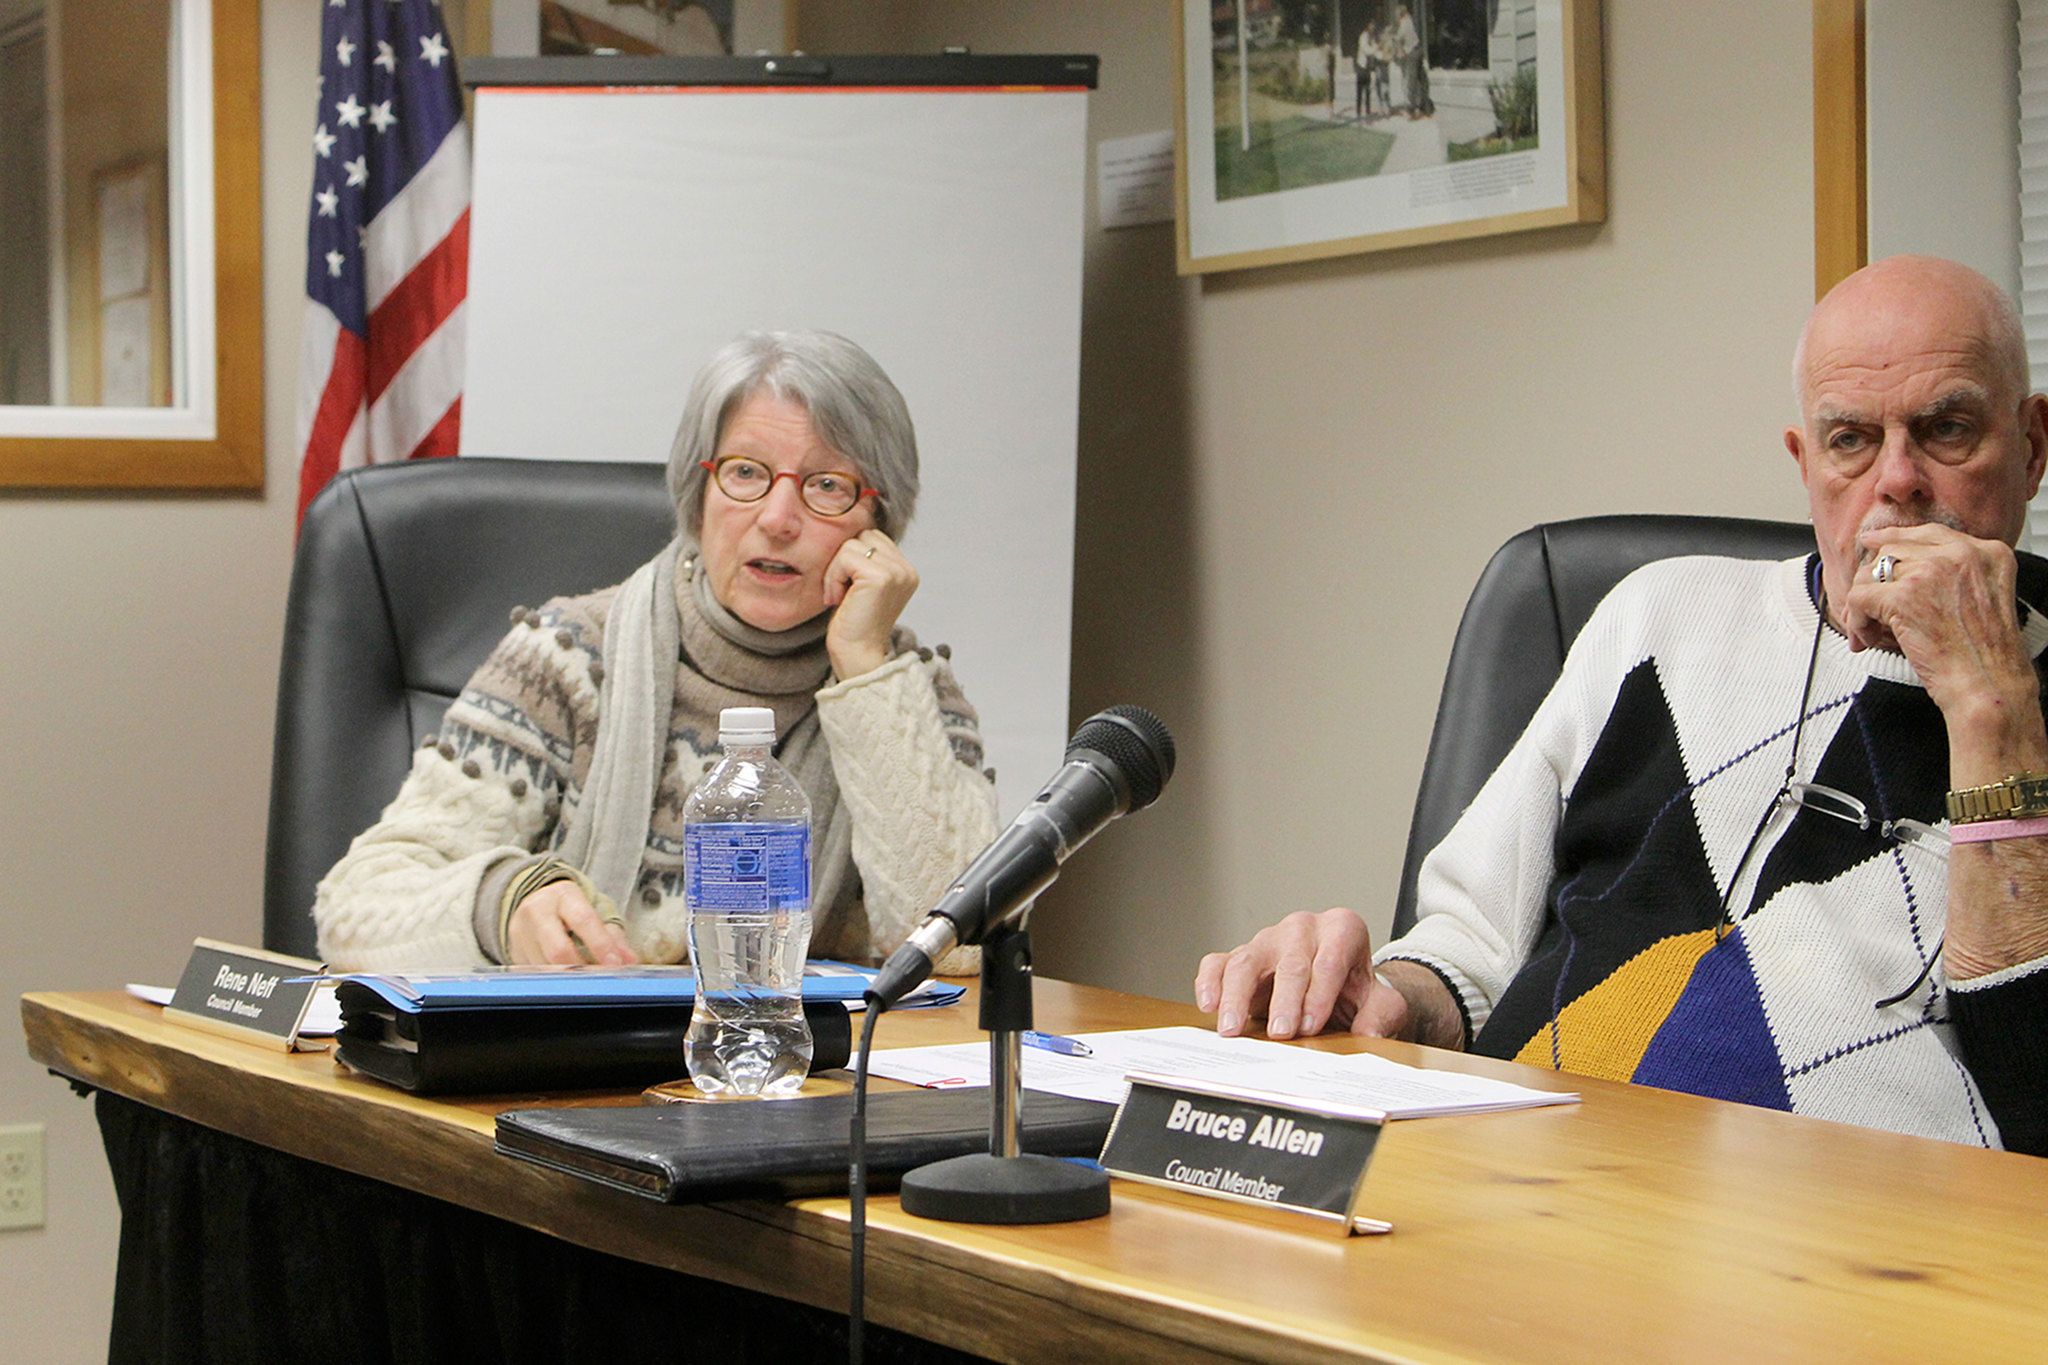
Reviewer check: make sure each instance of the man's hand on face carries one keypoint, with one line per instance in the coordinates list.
(1948, 607)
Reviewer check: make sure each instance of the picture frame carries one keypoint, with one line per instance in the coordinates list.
(1314, 128)
(217, 443)
(1841, 192)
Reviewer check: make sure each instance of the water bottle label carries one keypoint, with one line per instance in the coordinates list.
(747, 868)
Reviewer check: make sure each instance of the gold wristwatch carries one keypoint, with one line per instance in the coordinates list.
(2021, 796)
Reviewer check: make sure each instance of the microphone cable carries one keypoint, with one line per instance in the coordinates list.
(857, 1185)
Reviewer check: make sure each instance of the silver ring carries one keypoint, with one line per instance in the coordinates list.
(1886, 566)
(871, 552)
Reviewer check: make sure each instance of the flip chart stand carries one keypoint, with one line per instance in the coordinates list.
(1005, 1184)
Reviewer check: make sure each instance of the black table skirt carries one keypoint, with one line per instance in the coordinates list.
(231, 1251)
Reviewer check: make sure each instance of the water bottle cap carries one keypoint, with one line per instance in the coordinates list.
(746, 725)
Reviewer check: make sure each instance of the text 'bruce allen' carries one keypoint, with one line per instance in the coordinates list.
(1279, 1134)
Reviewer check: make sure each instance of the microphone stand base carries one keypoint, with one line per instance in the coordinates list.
(982, 1188)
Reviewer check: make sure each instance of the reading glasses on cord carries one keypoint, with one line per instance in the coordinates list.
(828, 492)
(1822, 799)
(1840, 805)
(1836, 804)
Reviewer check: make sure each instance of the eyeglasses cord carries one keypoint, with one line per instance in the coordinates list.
(1722, 923)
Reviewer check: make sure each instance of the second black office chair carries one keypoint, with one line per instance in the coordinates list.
(1531, 601)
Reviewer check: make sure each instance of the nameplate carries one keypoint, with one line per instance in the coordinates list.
(1246, 1146)
(245, 992)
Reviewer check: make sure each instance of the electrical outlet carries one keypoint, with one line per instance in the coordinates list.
(21, 1175)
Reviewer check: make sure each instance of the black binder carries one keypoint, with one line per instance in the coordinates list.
(685, 1153)
(538, 1047)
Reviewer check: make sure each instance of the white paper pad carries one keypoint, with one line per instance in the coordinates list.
(1359, 1078)
(323, 1016)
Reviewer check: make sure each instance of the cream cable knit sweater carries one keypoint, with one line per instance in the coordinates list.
(489, 794)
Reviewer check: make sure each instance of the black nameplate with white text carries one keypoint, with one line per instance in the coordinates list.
(243, 991)
(1259, 1149)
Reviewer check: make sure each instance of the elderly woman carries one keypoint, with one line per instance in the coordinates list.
(544, 823)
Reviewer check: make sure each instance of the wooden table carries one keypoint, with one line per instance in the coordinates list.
(1638, 1223)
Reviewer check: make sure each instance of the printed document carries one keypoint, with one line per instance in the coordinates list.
(1359, 1078)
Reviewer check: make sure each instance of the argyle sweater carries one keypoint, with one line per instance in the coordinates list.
(1572, 909)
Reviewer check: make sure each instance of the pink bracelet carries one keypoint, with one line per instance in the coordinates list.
(1984, 831)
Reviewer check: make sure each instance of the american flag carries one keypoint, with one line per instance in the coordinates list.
(387, 243)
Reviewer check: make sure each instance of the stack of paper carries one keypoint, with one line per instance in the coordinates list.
(1359, 1078)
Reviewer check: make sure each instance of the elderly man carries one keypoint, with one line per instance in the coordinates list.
(1777, 835)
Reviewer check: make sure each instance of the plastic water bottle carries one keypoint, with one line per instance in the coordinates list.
(747, 887)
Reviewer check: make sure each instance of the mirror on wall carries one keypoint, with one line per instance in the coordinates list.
(85, 198)
(130, 273)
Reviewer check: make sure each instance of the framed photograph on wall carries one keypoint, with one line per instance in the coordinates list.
(1313, 128)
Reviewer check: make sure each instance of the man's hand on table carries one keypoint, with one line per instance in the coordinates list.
(1309, 973)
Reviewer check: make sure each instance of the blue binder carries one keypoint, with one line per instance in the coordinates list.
(527, 987)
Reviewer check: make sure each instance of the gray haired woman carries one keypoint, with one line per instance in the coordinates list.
(544, 822)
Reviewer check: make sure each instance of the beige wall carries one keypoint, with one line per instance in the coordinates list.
(137, 681)
(1289, 479)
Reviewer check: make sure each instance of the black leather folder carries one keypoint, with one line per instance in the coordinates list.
(685, 1153)
(538, 1047)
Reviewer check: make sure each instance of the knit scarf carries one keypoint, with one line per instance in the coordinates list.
(674, 657)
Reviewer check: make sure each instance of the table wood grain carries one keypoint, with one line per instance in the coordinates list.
(1638, 1223)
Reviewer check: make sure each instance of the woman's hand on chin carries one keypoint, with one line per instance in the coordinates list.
(558, 924)
(870, 582)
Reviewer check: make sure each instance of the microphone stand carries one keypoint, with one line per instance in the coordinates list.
(1006, 1184)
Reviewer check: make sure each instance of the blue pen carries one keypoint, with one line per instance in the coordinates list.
(1053, 1042)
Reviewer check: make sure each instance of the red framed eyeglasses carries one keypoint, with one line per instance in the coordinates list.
(828, 492)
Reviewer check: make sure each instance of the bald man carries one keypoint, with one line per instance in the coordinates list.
(1780, 832)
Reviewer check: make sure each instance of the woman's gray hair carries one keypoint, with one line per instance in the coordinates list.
(851, 402)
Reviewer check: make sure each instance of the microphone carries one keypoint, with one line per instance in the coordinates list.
(1117, 762)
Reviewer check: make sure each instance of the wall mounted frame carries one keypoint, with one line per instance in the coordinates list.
(214, 437)
(1281, 156)
(1841, 197)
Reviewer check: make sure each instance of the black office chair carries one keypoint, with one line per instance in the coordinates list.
(1532, 600)
(404, 578)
